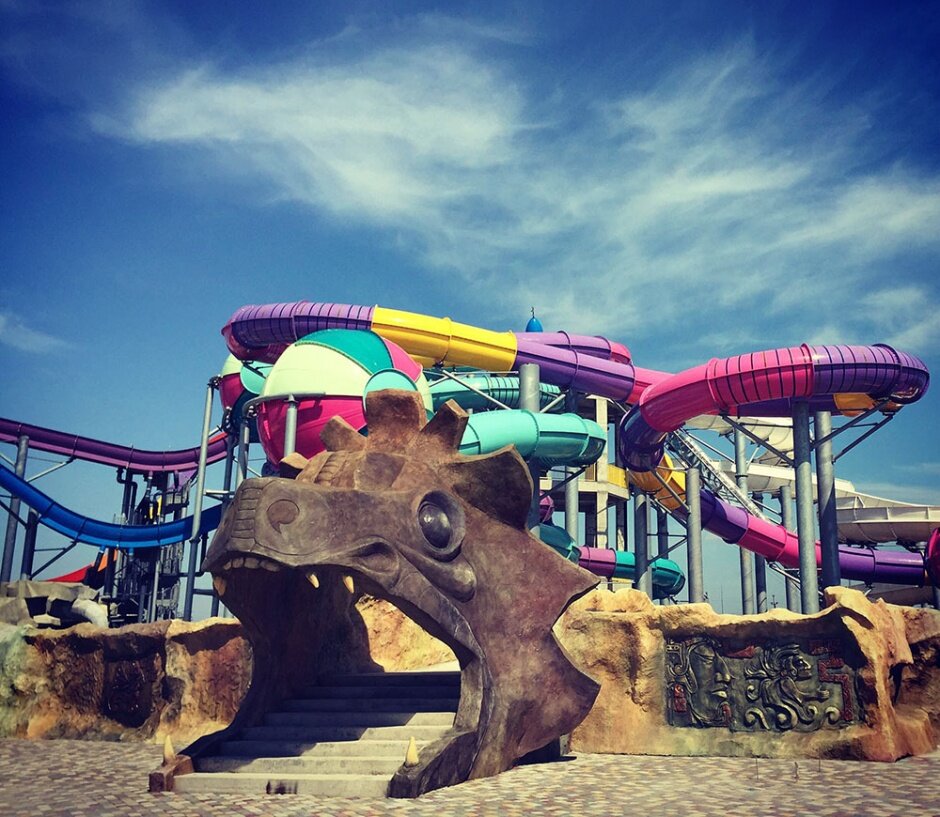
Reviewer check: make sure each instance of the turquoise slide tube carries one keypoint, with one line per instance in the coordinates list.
(552, 439)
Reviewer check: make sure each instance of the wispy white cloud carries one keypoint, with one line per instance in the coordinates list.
(717, 198)
(15, 332)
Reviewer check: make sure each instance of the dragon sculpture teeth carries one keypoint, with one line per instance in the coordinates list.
(401, 515)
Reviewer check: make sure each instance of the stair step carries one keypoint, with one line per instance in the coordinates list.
(396, 704)
(343, 738)
(333, 734)
(352, 718)
(321, 785)
(367, 764)
(385, 679)
(248, 749)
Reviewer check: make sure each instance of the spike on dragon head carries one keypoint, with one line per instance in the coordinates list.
(443, 537)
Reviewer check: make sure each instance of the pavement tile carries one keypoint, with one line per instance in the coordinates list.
(101, 779)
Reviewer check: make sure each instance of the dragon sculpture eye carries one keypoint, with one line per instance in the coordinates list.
(435, 524)
(441, 521)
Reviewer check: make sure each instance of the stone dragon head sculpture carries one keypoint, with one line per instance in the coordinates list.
(403, 516)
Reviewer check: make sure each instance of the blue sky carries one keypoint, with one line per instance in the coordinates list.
(692, 179)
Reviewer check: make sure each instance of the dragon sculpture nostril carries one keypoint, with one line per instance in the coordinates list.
(282, 512)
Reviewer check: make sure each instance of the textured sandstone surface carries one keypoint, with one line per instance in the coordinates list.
(185, 680)
(136, 682)
(396, 642)
(621, 640)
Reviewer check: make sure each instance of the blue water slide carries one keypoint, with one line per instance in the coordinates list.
(104, 534)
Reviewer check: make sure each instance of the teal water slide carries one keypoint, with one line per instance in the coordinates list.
(551, 440)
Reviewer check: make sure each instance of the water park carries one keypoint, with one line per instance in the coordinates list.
(393, 522)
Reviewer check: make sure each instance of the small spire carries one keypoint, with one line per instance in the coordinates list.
(534, 324)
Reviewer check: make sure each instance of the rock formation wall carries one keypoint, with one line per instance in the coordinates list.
(137, 682)
(858, 680)
(396, 642)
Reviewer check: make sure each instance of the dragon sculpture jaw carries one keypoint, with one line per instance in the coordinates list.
(440, 535)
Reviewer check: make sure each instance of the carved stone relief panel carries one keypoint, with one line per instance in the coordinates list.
(792, 685)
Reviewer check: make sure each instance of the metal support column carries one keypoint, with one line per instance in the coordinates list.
(530, 400)
(746, 558)
(197, 502)
(9, 542)
(155, 589)
(244, 439)
(693, 498)
(230, 446)
(572, 500)
(602, 496)
(662, 538)
(826, 493)
(786, 519)
(29, 544)
(641, 544)
(760, 569)
(662, 533)
(809, 584)
(290, 427)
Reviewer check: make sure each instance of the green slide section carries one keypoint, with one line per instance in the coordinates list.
(551, 439)
(503, 389)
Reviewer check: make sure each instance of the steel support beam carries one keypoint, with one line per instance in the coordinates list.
(826, 508)
(662, 538)
(9, 541)
(29, 544)
(786, 519)
(745, 557)
(644, 576)
(197, 502)
(530, 400)
(244, 439)
(760, 571)
(290, 427)
(693, 498)
(805, 530)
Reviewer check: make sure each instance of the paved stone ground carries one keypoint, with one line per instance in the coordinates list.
(78, 778)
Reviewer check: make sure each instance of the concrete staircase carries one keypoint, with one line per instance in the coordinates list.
(344, 738)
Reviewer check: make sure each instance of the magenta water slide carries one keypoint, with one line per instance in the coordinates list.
(87, 449)
(771, 379)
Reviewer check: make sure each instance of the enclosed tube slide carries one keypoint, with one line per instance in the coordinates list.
(587, 364)
(104, 534)
(667, 577)
(466, 392)
(552, 439)
(765, 378)
(121, 456)
(758, 384)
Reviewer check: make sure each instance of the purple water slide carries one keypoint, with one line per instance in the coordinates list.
(262, 332)
(723, 385)
(571, 368)
(121, 456)
(589, 364)
(593, 345)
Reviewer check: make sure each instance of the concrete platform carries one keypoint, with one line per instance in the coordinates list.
(93, 779)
